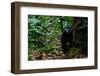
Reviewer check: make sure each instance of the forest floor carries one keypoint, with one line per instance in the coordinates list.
(73, 53)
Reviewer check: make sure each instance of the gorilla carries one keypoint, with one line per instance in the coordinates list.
(76, 36)
(67, 39)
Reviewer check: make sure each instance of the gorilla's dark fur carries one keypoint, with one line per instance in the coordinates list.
(67, 39)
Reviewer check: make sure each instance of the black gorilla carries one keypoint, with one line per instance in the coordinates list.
(76, 36)
(67, 39)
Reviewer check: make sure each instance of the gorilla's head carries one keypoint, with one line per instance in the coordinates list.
(67, 29)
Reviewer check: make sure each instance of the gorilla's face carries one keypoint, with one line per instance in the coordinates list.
(68, 30)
